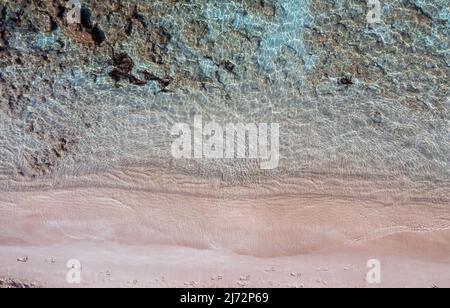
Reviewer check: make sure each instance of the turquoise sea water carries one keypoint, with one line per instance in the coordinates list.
(280, 75)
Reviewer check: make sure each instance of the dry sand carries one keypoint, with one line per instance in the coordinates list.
(149, 228)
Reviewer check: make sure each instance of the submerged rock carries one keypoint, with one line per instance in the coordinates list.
(104, 92)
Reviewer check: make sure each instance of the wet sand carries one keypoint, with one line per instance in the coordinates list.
(142, 227)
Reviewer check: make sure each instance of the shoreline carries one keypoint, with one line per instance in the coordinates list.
(299, 219)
